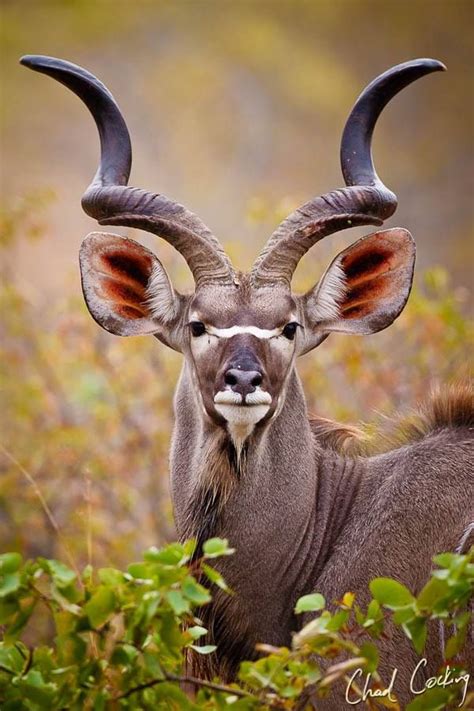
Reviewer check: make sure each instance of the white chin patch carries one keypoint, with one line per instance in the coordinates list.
(242, 415)
(242, 418)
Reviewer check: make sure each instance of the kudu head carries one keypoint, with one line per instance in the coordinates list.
(240, 333)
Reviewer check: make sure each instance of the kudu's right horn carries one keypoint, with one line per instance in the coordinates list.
(111, 202)
(366, 200)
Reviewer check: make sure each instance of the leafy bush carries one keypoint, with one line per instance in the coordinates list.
(120, 638)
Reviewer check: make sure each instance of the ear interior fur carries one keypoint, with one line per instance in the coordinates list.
(366, 286)
(161, 300)
(325, 305)
(125, 286)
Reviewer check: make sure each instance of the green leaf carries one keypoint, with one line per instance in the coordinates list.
(60, 573)
(174, 554)
(87, 574)
(205, 649)
(171, 696)
(139, 571)
(179, 603)
(124, 655)
(215, 547)
(310, 603)
(152, 665)
(359, 615)
(11, 658)
(430, 700)
(374, 620)
(455, 644)
(391, 593)
(67, 596)
(197, 631)
(110, 576)
(215, 577)
(34, 688)
(10, 562)
(416, 630)
(195, 592)
(434, 591)
(9, 584)
(101, 606)
(71, 648)
(370, 652)
(448, 560)
(170, 633)
(405, 614)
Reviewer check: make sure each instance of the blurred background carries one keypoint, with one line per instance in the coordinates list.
(236, 110)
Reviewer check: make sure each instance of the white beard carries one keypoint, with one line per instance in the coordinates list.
(241, 418)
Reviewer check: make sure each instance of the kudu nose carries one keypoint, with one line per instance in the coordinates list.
(243, 381)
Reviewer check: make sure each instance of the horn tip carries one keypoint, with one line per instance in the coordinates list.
(33, 60)
(426, 63)
(28, 60)
(40, 62)
(434, 65)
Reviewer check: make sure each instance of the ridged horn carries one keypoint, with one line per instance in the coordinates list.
(366, 200)
(111, 202)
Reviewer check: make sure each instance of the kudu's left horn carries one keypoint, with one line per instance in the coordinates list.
(111, 202)
(367, 201)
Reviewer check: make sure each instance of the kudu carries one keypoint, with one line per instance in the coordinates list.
(246, 461)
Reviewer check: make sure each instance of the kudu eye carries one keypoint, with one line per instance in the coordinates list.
(197, 328)
(290, 330)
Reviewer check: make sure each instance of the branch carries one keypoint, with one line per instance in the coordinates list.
(186, 680)
(46, 509)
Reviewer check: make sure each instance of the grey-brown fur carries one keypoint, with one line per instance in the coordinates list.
(304, 518)
(304, 504)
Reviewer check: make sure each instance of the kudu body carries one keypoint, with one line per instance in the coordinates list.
(246, 461)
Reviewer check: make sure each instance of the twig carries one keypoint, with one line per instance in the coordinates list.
(88, 500)
(45, 506)
(186, 680)
(29, 662)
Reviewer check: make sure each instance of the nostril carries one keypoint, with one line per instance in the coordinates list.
(256, 380)
(243, 381)
(230, 378)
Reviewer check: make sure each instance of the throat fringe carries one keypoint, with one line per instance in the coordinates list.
(221, 469)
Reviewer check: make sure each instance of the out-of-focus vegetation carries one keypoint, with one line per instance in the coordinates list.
(87, 417)
(237, 107)
(121, 638)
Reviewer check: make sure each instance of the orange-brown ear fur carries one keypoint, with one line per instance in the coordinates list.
(123, 278)
(366, 286)
(116, 275)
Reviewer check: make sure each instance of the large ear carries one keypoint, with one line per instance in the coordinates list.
(126, 288)
(366, 286)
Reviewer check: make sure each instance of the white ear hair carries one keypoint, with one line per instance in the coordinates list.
(161, 297)
(365, 287)
(325, 301)
(119, 276)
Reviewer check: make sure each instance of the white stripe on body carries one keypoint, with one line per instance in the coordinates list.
(464, 537)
